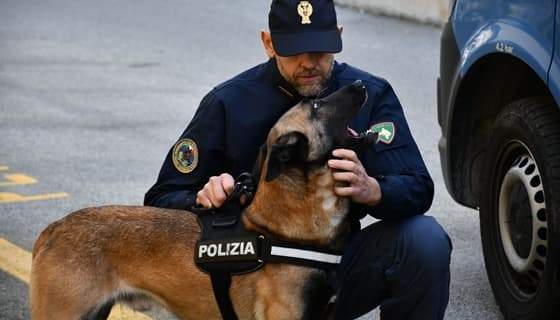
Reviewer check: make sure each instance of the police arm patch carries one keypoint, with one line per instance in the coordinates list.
(386, 131)
(185, 155)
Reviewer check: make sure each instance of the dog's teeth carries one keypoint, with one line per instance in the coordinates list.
(365, 133)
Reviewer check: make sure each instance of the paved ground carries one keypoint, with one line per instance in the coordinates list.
(93, 93)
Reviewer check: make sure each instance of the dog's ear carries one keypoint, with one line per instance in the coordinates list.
(291, 148)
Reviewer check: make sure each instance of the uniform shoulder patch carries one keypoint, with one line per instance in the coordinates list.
(385, 130)
(185, 155)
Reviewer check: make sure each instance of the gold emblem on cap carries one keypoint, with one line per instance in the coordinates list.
(305, 10)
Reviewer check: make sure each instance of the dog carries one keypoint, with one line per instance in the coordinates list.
(96, 257)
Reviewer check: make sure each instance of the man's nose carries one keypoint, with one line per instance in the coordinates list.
(309, 60)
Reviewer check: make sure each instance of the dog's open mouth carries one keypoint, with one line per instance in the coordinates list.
(362, 138)
(355, 135)
(351, 139)
(340, 108)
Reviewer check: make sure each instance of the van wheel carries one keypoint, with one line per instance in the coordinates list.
(520, 209)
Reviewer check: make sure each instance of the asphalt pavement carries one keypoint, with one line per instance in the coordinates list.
(94, 93)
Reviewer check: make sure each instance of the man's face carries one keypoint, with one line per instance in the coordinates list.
(308, 73)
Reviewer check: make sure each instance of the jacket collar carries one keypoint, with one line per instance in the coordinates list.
(288, 90)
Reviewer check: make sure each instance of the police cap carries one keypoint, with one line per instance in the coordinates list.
(298, 26)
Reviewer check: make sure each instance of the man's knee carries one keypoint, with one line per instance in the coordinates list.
(417, 242)
(422, 243)
(400, 260)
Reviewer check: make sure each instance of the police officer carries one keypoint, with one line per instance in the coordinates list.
(401, 262)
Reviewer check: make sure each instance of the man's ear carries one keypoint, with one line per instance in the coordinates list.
(291, 148)
(267, 44)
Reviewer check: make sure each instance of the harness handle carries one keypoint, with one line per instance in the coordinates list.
(244, 186)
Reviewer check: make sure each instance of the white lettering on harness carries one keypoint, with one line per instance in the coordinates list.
(226, 249)
(202, 250)
(235, 248)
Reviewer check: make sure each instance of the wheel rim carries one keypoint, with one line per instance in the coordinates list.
(522, 220)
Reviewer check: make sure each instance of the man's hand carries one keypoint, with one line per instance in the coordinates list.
(361, 188)
(215, 191)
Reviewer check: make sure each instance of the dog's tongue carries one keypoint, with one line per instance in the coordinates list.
(352, 132)
(356, 141)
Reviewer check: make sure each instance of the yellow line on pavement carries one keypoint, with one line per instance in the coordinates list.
(17, 179)
(4, 168)
(17, 262)
(9, 197)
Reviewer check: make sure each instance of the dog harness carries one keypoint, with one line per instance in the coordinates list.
(226, 248)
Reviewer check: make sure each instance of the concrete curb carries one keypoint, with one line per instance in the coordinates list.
(426, 11)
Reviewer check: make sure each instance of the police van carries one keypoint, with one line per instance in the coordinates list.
(498, 108)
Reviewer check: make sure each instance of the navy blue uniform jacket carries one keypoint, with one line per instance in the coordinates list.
(234, 119)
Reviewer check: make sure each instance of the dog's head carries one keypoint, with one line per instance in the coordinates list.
(306, 135)
(295, 197)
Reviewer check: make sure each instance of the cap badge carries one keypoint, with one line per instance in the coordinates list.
(305, 10)
(185, 155)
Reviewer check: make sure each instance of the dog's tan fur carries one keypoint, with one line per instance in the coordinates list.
(96, 254)
(298, 193)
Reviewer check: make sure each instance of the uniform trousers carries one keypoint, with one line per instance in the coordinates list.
(401, 266)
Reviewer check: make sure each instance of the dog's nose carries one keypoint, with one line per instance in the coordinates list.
(359, 89)
(358, 84)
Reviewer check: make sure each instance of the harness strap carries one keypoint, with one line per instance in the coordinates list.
(294, 253)
(273, 251)
(282, 253)
(221, 283)
(303, 257)
(222, 228)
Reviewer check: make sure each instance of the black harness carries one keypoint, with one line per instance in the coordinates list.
(226, 248)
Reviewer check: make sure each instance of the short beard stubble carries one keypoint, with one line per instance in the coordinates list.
(310, 90)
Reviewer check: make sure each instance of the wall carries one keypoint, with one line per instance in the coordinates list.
(429, 11)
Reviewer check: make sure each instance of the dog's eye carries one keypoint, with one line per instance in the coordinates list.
(316, 104)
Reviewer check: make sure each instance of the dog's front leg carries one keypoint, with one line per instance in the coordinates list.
(280, 292)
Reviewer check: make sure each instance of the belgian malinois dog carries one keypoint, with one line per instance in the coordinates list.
(95, 257)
